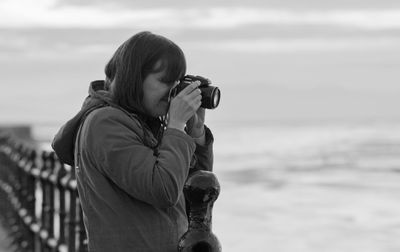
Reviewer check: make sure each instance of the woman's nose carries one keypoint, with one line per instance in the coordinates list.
(171, 92)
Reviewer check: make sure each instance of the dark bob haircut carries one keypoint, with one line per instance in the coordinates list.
(134, 60)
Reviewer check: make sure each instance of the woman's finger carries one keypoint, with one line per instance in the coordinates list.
(189, 88)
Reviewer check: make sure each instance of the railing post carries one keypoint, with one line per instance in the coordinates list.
(52, 181)
(7, 191)
(44, 175)
(17, 226)
(39, 194)
(26, 212)
(29, 185)
(61, 174)
(32, 182)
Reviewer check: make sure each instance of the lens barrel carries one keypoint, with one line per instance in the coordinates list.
(210, 97)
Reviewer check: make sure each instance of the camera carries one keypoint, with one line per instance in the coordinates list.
(210, 94)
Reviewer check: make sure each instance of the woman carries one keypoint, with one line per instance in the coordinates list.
(135, 147)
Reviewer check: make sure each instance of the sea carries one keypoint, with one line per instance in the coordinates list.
(309, 187)
(306, 186)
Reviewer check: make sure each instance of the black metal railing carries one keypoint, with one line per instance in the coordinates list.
(39, 203)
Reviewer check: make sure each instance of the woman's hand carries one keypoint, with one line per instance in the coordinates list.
(184, 106)
(195, 126)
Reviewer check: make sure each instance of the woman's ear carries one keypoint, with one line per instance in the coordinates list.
(107, 84)
(111, 86)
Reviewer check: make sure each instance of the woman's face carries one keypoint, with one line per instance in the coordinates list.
(156, 94)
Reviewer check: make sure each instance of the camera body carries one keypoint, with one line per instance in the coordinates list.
(211, 95)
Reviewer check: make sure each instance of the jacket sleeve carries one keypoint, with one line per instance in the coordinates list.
(118, 151)
(204, 155)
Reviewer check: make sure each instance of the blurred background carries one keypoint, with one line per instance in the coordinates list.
(307, 135)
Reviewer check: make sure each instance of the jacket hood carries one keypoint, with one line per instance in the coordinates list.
(64, 141)
(97, 94)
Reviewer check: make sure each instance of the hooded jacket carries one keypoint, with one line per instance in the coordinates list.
(130, 181)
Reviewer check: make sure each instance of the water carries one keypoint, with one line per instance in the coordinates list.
(307, 187)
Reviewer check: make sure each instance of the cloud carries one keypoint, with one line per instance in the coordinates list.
(291, 45)
(292, 4)
(49, 13)
(57, 50)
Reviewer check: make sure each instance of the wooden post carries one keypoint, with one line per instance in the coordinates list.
(201, 190)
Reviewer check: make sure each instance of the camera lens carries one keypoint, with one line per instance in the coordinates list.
(211, 97)
(216, 96)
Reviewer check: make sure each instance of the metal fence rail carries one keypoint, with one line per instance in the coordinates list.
(39, 203)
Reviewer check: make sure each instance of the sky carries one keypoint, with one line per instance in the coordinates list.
(273, 60)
